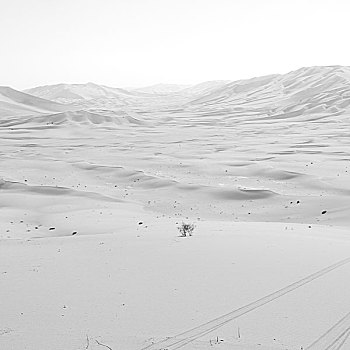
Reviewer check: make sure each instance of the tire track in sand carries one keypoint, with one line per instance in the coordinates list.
(189, 336)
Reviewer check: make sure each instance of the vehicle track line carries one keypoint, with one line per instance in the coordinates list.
(346, 337)
(189, 336)
(339, 337)
(338, 326)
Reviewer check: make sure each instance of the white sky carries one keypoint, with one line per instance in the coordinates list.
(142, 42)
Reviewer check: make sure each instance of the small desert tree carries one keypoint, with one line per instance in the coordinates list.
(186, 229)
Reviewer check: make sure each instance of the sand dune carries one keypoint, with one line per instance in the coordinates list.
(260, 166)
(76, 118)
(86, 118)
(13, 102)
(67, 93)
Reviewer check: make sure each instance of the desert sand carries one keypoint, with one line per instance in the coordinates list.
(95, 181)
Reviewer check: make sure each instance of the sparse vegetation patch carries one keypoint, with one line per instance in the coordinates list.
(186, 229)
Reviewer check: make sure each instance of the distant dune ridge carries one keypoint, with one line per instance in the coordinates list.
(305, 94)
(67, 93)
(95, 181)
(313, 90)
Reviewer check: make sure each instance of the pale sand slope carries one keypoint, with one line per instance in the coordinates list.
(132, 287)
(90, 201)
(16, 103)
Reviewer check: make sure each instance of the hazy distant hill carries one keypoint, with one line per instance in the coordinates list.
(162, 88)
(321, 91)
(306, 91)
(68, 93)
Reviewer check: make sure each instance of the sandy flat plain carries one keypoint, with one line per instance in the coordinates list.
(94, 182)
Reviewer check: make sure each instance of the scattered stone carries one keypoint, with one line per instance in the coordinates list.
(324, 212)
(52, 228)
(74, 233)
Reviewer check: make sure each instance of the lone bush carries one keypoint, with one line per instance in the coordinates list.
(186, 229)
